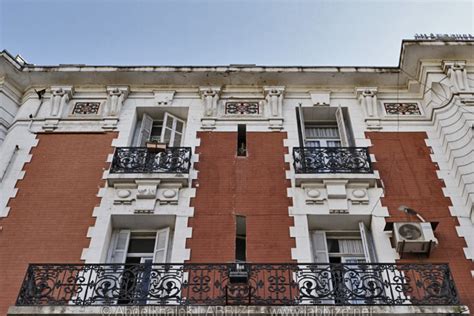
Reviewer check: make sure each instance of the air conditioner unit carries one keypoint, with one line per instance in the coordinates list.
(413, 237)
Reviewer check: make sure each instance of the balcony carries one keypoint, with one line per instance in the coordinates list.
(129, 163)
(332, 160)
(373, 284)
(332, 163)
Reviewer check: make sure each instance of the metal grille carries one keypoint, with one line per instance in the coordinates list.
(84, 108)
(145, 160)
(256, 284)
(332, 160)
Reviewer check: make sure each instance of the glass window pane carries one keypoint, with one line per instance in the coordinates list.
(312, 143)
(179, 126)
(333, 143)
(167, 135)
(141, 245)
(177, 140)
(169, 122)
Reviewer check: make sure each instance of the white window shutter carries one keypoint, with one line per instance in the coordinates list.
(302, 125)
(320, 246)
(342, 127)
(368, 243)
(120, 246)
(145, 130)
(161, 245)
(173, 130)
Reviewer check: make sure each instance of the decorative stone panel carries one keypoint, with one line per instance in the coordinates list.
(315, 193)
(406, 109)
(168, 193)
(86, 108)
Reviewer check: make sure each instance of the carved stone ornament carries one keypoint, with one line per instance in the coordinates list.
(60, 96)
(274, 98)
(456, 71)
(210, 96)
(115, 99)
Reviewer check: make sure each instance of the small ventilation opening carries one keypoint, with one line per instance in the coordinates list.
(241, 140)
(240, 239)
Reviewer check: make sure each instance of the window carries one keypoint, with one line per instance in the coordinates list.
(138, 247)
(324, 127)
(343, 246)
(348, 247)
(241, 140)
(321, 136)
(168, 129)
(240, 239)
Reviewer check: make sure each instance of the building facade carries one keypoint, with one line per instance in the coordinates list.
(315, 189)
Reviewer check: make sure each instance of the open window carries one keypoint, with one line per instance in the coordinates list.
(350, 248)
(343, 246)
(138, 247)
(324, 127)
(162, 128)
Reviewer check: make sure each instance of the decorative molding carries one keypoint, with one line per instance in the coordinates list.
(164, 98)
(210, 96)
(320, 97)
(407, 109)
(168, 193)
(60, 96)
(116, 96)
(315, 193)
(457, 73)
(367, 97)
(274, 98)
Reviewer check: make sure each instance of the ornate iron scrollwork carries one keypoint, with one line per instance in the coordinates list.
(251, 108)
(209, 284)
(144, 160)
(402, 108)
(84, 108)
(332, 160)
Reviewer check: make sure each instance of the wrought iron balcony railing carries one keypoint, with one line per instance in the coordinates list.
(145, 160)
(255, 284)
(332, 160)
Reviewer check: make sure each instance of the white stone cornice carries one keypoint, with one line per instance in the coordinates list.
(274, 97)
(457, 73)
(164, 97)
(60, 96)
(116, 95)
(210, 96)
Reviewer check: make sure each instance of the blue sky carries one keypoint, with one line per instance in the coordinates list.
(221, 32)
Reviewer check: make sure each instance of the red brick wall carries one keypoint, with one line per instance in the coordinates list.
(52, 211)
(410, 178)
(254, 186)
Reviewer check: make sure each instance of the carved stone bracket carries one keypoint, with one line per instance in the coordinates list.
(456, 71)
(60, 96)
(116, 95)
(274, 98)
(210, 96)
(367, 97)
